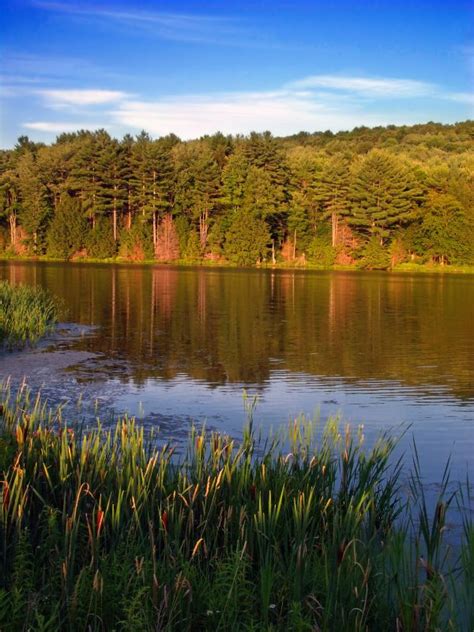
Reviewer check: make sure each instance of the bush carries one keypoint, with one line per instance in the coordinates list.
(321, 252)
(136, 244)
(374, 255)
(100, 240)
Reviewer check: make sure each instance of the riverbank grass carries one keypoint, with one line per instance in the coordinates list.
(108, 530)
(421, 268)
(26, 314)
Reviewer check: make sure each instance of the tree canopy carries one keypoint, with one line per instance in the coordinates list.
(363, 197)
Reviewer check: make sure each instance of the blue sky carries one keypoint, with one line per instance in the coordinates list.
(198, 67)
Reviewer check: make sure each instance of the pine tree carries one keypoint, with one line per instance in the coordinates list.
(34, 207)
(247, 239)
(447, 233)
(306, 210)
(67, 232)
(384, 195)
(112, 191)
(333, 191)
(264, 154)
(10, 193)
(197, 187)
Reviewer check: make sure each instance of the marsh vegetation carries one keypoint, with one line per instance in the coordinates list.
(26, 314)
(110, 530)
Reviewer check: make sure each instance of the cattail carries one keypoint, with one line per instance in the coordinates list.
(6, 495)
(99, 520)
(340, 552)
(253, 492)
(164, 520)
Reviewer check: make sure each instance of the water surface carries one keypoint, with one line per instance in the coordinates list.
(175, 345)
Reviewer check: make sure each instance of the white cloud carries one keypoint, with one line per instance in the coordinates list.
(282, 112)
(316, 103)
(60, 98)
(366, 86)
(167, 25)
(461, 97)
(58, 127)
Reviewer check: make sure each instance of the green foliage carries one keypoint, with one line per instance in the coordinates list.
(247, 239)
(380, 181)
(136, 244)
(447, 235)
(182, 228)
(373, 256)
(384, 195)
(100, 242)
(26, 313)
(193, 250)
(68, 229)
(321, 251)
(103, 530)
(333, 191)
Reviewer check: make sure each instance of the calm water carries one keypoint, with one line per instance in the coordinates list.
(175, 345)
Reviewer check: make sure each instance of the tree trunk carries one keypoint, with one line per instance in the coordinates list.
(12, 221)
(273, 252)
(334, 229)
(294, 246)
(115, 213)
(203, 228)
(129, 217)
(154, 231)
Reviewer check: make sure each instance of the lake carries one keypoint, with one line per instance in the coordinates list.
(176, 345)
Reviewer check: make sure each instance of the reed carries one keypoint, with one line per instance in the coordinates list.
(26, 314)
(107, 529)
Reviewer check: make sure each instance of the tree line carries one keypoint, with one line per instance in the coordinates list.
(369, 197)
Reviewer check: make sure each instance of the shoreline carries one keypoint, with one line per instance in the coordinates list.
(422, 268)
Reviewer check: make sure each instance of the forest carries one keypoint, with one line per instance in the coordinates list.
(371, 198)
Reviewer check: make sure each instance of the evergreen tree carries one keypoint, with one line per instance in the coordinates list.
(305, 212)
(197, 187)
(34, 208)
(247, 239)
(384, 195)
(68, 230)
(448, 236)
(333, 191)
(268, 168)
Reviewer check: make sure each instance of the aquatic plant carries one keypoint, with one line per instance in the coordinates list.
(26, 313)
(108, 529)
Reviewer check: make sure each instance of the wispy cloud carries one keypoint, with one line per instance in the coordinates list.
(58, 127)
(461, 97)
(367, 86)
(282, 112)
(64, 98)
(173, 26)
(314, 103)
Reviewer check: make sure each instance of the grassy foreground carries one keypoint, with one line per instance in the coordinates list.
(26, 313)
(100, 530)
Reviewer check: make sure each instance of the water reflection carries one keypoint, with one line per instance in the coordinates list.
(239, 327)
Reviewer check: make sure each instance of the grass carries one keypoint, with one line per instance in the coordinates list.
(26, 314)
(281, 265)
(106, 530)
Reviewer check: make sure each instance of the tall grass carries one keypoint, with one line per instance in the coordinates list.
(108, 530)
(26, 313)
